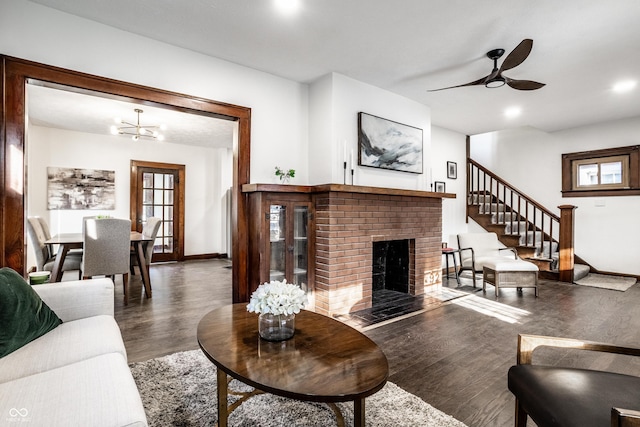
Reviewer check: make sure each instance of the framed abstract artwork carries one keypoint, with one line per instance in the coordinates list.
(440, 187)
(77, 189)
(452, 170)
(387, 144)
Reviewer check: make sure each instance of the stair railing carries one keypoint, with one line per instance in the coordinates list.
(537, 226)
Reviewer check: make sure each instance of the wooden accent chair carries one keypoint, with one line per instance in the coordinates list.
(561, 396)
(476, 248)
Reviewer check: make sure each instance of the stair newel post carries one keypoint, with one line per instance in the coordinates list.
(566, 261)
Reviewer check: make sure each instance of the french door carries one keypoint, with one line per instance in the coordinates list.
(157, 190)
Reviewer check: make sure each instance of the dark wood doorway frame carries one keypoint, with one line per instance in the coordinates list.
(16, 73)
(171, 231)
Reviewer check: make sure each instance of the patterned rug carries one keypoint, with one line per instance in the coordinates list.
(180, 390)
(615, 283)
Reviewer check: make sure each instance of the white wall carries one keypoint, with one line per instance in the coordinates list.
(208, 177)
(450, 146)
(531, 160)
(348, 97)
(279, 106)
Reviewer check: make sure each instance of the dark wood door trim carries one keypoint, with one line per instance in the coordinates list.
(179, 218)
(15, 73)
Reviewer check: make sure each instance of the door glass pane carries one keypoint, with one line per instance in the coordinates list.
(157, 211)
(168, 245)
(168, 228)
(277, 234)
(300, 222)
(611, 173)
(147, 197)
(158, 180)
(168, 181)
(168, 213)
(147, 180)
(587, 175)
(157, 197)
(147, 212)
(168, 197)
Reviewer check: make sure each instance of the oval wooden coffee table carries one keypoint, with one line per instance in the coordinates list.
(325, 361)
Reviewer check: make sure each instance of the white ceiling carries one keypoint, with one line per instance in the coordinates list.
(581, 48)
(65, 109)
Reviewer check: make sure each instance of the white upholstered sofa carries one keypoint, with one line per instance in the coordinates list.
(76, 374)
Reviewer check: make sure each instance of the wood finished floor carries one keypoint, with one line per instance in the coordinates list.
(455, 357)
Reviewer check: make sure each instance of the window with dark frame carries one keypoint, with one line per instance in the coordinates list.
(608, 172)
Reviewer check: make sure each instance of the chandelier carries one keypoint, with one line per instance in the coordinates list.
(137, 130)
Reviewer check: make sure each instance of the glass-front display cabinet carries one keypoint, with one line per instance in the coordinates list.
(289, 243)
(282, 238)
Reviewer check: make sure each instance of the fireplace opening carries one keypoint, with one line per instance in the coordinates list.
(391, 266)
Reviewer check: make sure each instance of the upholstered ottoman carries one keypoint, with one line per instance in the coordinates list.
(509, 273)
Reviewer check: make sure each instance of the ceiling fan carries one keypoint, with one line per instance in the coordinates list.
(496, 79)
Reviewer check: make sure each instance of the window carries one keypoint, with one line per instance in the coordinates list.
(601, 173)
(609, 172)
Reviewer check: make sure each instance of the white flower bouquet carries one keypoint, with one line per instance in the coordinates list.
(277, 298)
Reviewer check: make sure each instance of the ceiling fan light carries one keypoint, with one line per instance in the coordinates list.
(496, 82)
(114, 130)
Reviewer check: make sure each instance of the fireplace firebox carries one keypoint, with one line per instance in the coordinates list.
(390, 266)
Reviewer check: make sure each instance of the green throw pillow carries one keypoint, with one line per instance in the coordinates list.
(23, 315)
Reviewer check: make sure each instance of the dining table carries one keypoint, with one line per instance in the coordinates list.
(68, 241)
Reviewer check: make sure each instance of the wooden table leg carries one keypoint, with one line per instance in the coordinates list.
(144, 268)
(358, 413)
(56, 272)
(223, 414)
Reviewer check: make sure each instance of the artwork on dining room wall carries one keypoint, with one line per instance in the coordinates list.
(387, 144)
(78, 189)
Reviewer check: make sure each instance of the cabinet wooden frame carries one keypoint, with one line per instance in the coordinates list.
(260, 242)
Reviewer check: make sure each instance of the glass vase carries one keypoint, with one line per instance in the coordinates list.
(276, 327)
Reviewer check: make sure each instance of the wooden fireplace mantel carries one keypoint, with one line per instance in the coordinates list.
(340, 188)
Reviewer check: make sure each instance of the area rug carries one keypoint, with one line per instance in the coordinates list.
(180, 390)
(615, 283)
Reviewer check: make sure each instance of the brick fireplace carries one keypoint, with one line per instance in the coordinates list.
(347, 221)
(350, 219)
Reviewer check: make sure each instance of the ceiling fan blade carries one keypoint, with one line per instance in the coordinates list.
(517, 55)
(524, 84)
(477, 82)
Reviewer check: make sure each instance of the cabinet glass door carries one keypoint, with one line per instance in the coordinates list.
(277, 242)
(300, 248)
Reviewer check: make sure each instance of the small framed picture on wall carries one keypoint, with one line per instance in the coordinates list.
(452, 170)
(440, 187)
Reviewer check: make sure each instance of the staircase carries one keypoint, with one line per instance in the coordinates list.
(522, 223)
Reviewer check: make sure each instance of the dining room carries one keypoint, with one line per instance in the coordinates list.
(77, 166)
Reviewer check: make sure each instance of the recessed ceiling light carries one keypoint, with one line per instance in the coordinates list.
(624, 86)
(287, 7)
(512, 112)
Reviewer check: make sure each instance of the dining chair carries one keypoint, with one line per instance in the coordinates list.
(47, 235)
(45, 258)
(150, 230)
(106, 243)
